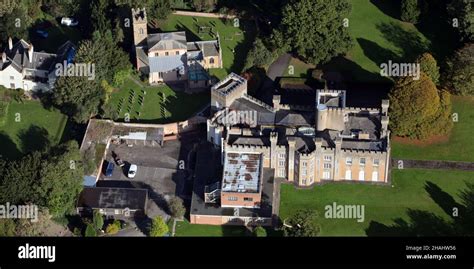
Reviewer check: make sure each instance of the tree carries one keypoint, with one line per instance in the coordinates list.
(61, 178)
(259, 231)
(90, 231)
(429, 66)
(302, 224)
(114, 227)
(97, 220)
(462, 15)
(15, 24)
(204, 5)
(315, 29)
(99, 15)
(78, 97)
(418, 109)
(176, 207)
(410, 11)
(459, 76)
(159, 9)
(158, 227)
(259, 55)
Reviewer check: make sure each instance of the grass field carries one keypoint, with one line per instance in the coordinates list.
(184, 228)
(177, 106)
(235, 41)
(459, 146)
(383, 204)
(28, 127)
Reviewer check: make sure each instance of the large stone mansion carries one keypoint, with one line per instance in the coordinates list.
(305, 137)
(170, 58)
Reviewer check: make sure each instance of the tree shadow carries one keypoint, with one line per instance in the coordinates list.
(376, 53)
(352, 72)
(409, 42)
(390, 8)
(34, 138)
(424, 223)
(8, 148)
(243, 47)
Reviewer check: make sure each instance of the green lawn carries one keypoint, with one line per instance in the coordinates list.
(184, 228)
(235, 41)
(29, 126)
(178, 106)
(383, 204)
(299, 69)
(459, 147)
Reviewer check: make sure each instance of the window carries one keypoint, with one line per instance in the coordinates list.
(303, 172)
(12, 77)
(167, 53)
(326, 175)
(281, 155)
(361, 175)
(157, 54)
(327, 158)
(177, 52)
(160, 75)
(141, 31)
(327, 166)
(211, 60)
(348, 174)
(303, 182)
(232, 198)
(117, 212)
(281, 162)
(376, 162)
(281, 172)
(303, 164)
(248, 199)
(349, 160)
(362, 161)
(12, 86)
(375, 176)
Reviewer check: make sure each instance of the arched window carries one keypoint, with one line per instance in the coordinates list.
(211, 60)
(140, 31)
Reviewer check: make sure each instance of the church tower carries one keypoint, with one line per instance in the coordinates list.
(140, 32)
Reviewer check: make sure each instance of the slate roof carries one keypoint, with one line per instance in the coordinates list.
(167, 41)
(166, 63)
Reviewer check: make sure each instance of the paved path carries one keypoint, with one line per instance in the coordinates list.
(203, 14)
(429, 164)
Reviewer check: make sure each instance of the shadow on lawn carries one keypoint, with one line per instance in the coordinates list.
(424, 223)
(409, 42)
(34, 138)
(8, 148)
(390, 8)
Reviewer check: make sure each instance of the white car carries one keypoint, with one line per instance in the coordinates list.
(132, 171)
(69, 21)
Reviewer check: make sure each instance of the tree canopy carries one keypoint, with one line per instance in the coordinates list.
(463, 12)
(410, 11)
(429, 66)
(314, 29)
(459, 75)
(158, 227)
(418, 109)
(302, 224)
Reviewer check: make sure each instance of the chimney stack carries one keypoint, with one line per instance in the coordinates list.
(30, 53)
(10, 44)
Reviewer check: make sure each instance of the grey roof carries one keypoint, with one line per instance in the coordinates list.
(208, 48)
(120, 198)
(367, 123)
(167, 41)
(166, 63)
(18, 57)
(294, 119)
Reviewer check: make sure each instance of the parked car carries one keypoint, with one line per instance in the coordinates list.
(119, 161)
(132, 171)
(42, 33)
(69, 21)
(110, 169)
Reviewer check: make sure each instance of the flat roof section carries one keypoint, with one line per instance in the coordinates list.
(228, 84)
(242, 172)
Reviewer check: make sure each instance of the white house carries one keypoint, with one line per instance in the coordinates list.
(22, 67)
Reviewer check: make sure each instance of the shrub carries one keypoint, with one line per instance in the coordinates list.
(176, 207)
(114, 227)
(158, 227)
(417, 109)
(259, 231)
(459, 77)
(429, 65)
(410, 11)
(90, 231)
